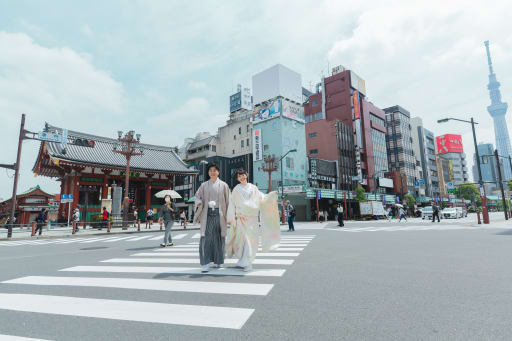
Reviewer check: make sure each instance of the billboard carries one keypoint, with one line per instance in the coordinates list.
(292, 110)
(257, 145)
(357, 83)
(235, 101)
(267, 111)
(449, 143)
(275, 81)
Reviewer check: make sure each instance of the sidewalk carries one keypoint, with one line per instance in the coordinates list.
(66, 232)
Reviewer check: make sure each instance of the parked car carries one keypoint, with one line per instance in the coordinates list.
(451, 213)
(427, 212)
(462, 212)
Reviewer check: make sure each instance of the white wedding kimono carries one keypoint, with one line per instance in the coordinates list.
(248, 209)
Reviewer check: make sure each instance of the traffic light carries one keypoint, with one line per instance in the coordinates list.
(84, 143)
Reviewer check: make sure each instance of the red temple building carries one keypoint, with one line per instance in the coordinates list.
(89, 172)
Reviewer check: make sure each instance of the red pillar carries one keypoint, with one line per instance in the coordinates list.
(74, 188)
(62, 188)
(148, 194)
(104, 188)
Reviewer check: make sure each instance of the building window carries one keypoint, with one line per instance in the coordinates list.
(239, 130)
(313, 151)
(214, 148)
(242, 143)
(233, 151)
(247, 142)
(314, 103)
(289, 163)
(247, 128)
(312, 135)
(265, 147)
(234, 137)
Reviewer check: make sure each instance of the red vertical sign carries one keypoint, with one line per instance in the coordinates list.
(356, 105)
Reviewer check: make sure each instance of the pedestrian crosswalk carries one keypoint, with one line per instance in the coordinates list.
(416, 227)
(182, 275)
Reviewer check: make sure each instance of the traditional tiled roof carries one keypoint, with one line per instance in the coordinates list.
(157, 159)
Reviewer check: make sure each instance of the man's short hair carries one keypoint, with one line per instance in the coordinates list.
(213, 165)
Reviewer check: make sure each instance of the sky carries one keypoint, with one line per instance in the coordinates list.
(166, 68)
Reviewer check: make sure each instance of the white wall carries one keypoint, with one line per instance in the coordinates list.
(277, 80)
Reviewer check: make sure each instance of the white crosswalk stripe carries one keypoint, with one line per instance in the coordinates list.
(148, 284)
(409, 228)
(178, 254)
(18, 338)
(194, 261)
(183, 275)
(177, 270)
(191, 315)
(196, 236)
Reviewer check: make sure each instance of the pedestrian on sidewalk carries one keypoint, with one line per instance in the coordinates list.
(435, 213)
(401, 213)
(289, 212)
(340, 215)
(104, 218)
(167, 215)
(212, 199)
(40, 220)
(389, 214)
(149, 218)
(76, 217)
(135, 217)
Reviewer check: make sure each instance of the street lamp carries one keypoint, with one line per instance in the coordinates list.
(485, 212)
(127, 147)
(282, 182)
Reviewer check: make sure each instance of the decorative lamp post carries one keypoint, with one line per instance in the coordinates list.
(127, 146)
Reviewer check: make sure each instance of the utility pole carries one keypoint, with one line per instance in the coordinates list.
(127, 147)
(16, 175)
(485, 212)
(501, 184)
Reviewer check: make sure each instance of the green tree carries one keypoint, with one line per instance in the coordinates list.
(509, 183)
(468, 191)
(360, 195)
(409, 199)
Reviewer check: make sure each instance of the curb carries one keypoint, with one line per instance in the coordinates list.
(92, 234)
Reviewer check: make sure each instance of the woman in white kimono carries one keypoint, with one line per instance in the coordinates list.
(248, 209)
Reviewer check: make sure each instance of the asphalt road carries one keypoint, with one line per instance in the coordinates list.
(369, 281)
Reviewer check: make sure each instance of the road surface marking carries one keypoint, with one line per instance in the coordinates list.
(177, 270)
(138, 238)
(180, 314)
(195, 254)
(196, 236)
(18, 338)
(116, 239)
(194, 261)
(149, 284)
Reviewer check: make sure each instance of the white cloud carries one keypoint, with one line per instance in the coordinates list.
(430, 58)
(57, 85)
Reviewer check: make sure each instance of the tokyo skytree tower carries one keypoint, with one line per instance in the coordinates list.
(498, 110)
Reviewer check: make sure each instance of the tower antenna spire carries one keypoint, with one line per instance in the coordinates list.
(489, 61)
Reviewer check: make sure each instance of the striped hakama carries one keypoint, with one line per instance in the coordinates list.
(212, 245)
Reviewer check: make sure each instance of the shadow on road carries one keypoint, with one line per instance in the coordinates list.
(504, 233)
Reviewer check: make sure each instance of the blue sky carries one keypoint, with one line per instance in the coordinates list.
(166, 68)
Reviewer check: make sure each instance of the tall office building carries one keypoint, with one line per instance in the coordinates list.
(449, 147)
(278, 128)
(401, 159)
(343, 126)
(498, 110)
(488, 166)
(425, 152)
